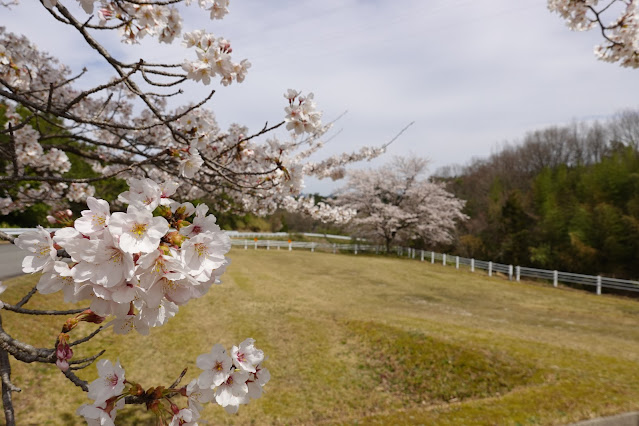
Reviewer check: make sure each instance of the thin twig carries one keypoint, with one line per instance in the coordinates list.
(20, 310)
(87, 338)
(27, 297)
(88, 359)
(179, 379)
(84, 385)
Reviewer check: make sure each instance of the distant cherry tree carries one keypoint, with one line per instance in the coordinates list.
(398, 202)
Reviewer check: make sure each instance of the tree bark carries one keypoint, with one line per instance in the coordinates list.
(7, 387)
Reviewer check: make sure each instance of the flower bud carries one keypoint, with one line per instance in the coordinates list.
(90, 316)
(70, 324)
(63, 352)
(175, 238)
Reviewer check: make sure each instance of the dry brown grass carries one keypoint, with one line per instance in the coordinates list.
(372, 340)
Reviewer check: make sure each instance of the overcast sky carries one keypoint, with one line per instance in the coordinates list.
(471, 74)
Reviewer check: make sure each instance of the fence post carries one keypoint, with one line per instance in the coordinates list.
(312, 247)
(456, 262)
(490, 269)
(376, 249)
(413, 253)
(472, 265)
(432, 257)
(278, 246)
(355, 248)
(256, 244)
(444, 259)
(290, 245)
(245, 244)
(598, 285)
(510, 272)
(268, 245)
(518, 272)
(555, 276)
(334, 250)
(422, 255)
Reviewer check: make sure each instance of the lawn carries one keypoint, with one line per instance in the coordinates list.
(369, 340)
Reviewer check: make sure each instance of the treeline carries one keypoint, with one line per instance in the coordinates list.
(565, 198)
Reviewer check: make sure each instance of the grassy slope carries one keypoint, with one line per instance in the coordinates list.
(355, 339)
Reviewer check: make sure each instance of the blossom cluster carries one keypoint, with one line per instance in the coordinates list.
(229, 380)
(273, 169)
(140, 19)
(334, 167)
(213, 59)
(320, 211)
(621, 36)
(134, 266)
(235, 170)
(301, 113)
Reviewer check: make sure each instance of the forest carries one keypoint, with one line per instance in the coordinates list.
(564, 198)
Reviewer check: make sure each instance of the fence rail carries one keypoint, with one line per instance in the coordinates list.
(514, 273)
(252, 240)
(232, 234)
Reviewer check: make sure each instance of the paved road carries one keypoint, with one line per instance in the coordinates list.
(10, 261)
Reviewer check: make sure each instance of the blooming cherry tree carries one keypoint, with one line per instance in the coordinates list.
(137, 261)
(395, 202)
(48, 118)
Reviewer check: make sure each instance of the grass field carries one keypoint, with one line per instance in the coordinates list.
(370, 340)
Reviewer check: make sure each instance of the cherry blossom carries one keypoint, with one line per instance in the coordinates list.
(220, 381)
(138, 230)
(39, 243)
(246, 356)
(95, 220)
(109, 384)
(216, 365)
(101, 414)
(233, 392)
(618, 21)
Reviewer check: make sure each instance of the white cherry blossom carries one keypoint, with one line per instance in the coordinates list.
(216, 365)
(246, 356)
(233, 391)
(95, 220)
(138, 230)
(39, 243)
(109, 384)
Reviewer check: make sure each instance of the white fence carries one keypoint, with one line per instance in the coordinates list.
(251, 240)
(232, 234)
(512, 272)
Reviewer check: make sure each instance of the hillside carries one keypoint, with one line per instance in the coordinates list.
(372, 340)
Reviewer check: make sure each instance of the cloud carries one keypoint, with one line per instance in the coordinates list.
(471, 74)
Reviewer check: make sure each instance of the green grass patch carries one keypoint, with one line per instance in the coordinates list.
(427, 370)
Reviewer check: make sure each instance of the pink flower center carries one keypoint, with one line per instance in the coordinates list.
(111, 379)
